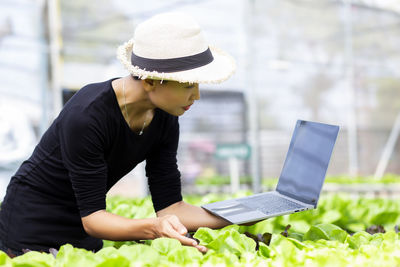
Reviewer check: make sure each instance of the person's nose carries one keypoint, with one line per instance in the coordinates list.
(196, 93)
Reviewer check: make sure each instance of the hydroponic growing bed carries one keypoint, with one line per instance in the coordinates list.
(342, 231)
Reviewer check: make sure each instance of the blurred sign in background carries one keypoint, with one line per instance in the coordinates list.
(322, 60)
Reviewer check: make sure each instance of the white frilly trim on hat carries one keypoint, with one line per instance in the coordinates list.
(220, 69)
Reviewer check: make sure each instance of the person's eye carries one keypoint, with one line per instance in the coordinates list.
(189, 86)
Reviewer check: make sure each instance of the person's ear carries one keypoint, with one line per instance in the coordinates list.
(148, 85)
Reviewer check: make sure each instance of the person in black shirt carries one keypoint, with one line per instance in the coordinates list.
(57, 196)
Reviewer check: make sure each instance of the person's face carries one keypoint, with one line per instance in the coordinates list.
(173, 97)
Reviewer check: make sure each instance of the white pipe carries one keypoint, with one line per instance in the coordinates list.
(251, 99)
(352, 116)
(55, 46)
(234, 173)
(388, 149)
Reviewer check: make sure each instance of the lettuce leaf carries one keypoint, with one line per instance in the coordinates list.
(165, 245)
(214, 258)
(4, 259)
(358, 239)
(70, 256)
(140, 254)
(185, 255)
(110, 256)
(327, 232)
(232, 241)
(34, 259)
(205, 235)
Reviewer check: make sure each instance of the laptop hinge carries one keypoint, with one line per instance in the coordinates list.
(313, 202)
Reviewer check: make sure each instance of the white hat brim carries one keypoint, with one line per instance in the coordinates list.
(219, 70)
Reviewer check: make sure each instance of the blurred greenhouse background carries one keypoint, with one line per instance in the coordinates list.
(332, 61)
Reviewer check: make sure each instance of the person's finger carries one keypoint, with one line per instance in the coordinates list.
(177, 225)
(173, 228)
(169, 230)
(201, 248)
(181, 238)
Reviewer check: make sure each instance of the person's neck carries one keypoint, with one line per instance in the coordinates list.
(136, 99)
(138, 105)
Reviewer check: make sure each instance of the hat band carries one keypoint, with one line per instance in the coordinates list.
(173, 64)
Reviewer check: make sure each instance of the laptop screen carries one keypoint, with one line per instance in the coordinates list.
(307, 161)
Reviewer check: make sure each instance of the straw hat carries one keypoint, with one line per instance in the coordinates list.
(171, 46)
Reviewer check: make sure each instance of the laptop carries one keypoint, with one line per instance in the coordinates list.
(299, 184)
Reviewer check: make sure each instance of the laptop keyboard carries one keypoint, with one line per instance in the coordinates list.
(270, 203)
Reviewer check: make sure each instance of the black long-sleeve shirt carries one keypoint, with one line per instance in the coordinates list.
(85, 151)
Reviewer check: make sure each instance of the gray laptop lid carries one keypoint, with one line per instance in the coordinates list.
(307, 161)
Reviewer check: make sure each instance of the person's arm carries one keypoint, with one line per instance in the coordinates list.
(109, 226)
(193, 217)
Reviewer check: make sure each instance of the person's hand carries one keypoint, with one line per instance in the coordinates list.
(170, 226)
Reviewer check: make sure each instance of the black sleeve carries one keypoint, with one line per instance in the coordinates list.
(162, 169)
(82, 151)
